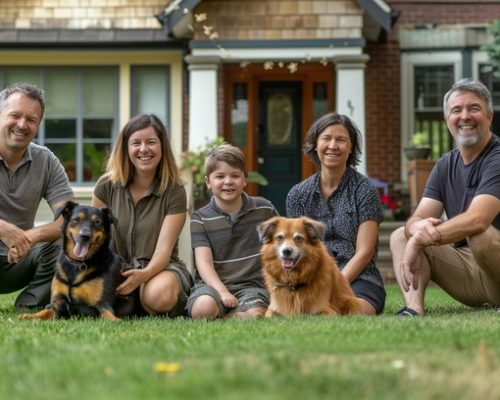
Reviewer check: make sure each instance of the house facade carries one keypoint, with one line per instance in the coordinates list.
(256, 72)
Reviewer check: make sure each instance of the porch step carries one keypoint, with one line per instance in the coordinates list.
(384, 261)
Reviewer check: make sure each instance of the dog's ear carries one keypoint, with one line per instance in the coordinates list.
(108, 215)
(266, 230)
(65, 210)
(315, 229)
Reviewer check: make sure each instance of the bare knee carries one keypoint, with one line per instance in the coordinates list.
(161, 293)
(398, 239)
(366, 308)
(205, 307)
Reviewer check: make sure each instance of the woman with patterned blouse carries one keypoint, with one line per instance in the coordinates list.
(346, 202)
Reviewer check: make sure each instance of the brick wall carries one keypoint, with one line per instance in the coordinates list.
(414, 13)
(80, 14)
(383, 75)
(382, 86)
(280, 19)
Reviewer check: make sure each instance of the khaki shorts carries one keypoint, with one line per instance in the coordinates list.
(470, 274)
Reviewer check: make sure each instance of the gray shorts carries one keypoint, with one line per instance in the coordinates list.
(373, 294)
(248, 297)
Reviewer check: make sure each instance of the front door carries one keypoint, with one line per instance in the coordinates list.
(279, 149)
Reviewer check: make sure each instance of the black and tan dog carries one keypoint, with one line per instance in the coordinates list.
(88, 270)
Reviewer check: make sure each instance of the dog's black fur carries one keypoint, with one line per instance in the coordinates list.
(88, 270)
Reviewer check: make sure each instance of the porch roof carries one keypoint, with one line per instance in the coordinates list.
(32, 38)
(175, 13)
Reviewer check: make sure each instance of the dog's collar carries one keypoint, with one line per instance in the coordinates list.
(82, 266)
(289, 285)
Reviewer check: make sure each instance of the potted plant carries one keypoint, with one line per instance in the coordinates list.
(194, 161)
(419, 148)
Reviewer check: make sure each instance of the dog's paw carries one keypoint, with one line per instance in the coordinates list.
(43, 315)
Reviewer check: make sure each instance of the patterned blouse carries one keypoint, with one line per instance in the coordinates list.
(355, 201)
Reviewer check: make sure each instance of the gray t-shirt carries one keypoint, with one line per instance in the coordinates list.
(455, 184)
(38, 175)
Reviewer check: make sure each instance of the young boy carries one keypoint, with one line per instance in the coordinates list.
(228, 280)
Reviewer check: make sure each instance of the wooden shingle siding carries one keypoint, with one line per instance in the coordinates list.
(80, 14)
(280, 19)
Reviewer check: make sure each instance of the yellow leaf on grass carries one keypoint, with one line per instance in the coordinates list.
(169, 368)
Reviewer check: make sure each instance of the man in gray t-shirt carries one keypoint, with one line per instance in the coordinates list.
(460, 253)
(28, 173)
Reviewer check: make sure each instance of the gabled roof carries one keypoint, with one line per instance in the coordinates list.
(380, 11)
(177, 10)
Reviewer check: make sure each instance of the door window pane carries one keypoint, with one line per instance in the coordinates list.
(279, 119)
(320, 99)
(239, 114)
(150, 91)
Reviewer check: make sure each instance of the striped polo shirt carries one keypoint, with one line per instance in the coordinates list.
(233, 239)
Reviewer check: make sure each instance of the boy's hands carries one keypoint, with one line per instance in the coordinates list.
(228, 299)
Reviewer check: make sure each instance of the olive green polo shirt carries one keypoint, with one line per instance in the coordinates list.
(38, 175)
(138, 226)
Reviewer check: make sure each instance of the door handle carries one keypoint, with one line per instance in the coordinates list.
(260, 160)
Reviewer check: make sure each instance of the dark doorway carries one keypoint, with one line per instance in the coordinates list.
(279, 148)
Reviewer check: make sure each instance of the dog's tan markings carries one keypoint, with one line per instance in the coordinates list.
(90, 292)
(107, 314)
(44, 315)
(59, 288)
(70, 246)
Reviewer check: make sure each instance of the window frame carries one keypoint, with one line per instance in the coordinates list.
(410, 60)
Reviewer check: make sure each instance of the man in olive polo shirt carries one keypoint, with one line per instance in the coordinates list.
(28, 173)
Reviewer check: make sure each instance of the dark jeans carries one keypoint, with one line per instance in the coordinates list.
(33, 272)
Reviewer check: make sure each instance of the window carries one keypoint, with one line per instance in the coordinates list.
(81, 118)
(431, 84)
(492, 82)
(150, 88)
(425, 78)
(81, 114)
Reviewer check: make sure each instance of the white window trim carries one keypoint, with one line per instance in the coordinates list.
(478, 57)
(408, 62)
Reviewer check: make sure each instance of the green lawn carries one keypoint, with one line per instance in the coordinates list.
(452, 353)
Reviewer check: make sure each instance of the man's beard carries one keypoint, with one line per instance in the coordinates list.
(469, 140)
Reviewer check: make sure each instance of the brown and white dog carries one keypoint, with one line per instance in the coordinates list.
(300, 275)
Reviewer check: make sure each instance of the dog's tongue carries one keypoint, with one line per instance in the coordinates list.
(287, 263)
(81, 249)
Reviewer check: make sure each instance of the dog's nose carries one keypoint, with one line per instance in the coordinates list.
(85, 237)
(287, 252)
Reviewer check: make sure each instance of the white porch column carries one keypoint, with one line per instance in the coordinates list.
(350, 96)
(203, 124)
